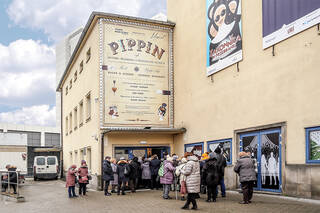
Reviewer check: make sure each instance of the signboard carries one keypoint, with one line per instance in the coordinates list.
(136, 75)
(224, 36)
(195, 148)
(285, 18)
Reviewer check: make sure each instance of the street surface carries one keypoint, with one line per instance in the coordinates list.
(51, 197)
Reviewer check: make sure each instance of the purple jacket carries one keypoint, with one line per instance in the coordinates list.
(168, 169)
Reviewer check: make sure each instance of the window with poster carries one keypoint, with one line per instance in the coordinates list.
(226, 148)
(313, 145)
(195, 148)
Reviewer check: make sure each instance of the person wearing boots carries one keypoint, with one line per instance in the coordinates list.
(134, 174)
(222, 163)
(114, 182)
(107, 174)
(192, 173)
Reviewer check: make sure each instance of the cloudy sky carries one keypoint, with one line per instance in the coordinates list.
(30, 30)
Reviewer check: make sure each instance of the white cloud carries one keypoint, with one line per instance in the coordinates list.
(58, 18)
(41, 115)
(27, 73)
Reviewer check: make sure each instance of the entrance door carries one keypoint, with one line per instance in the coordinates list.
(265, 148)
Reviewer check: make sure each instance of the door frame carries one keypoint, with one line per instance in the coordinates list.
(282, 126)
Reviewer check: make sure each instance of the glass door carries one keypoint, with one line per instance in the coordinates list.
(265, 148)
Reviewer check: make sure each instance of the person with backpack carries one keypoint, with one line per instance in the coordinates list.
(182, 178)
(166, 176)
(154, 167)
(211, 175)
(123, 171)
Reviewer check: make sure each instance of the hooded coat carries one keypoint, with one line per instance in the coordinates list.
(192, 173)
(71, 176)
(246, 169)
(168, 170)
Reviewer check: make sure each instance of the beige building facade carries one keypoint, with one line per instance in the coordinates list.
(265, 103)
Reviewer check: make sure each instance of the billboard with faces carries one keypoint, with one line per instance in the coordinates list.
(224, 36)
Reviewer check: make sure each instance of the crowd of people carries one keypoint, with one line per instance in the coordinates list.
(188, 174)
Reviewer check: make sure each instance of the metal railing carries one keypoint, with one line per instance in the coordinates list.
(8, 182)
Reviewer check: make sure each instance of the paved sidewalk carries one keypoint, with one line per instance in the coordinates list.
(51, 196)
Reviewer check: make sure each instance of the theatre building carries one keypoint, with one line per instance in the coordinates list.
(234, 74)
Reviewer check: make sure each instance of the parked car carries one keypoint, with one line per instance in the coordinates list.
(45, 167)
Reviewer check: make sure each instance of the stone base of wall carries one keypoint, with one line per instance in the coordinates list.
(302, 181)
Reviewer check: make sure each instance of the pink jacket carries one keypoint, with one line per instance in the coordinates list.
(83, 172)
(71, 177)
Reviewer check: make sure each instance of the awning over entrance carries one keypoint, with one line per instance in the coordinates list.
(171, 131)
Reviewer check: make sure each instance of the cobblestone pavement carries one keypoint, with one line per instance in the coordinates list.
(51, 196)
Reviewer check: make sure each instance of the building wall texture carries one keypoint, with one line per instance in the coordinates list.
(266, 90)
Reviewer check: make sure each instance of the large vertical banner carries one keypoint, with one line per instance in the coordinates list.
(136, 75)
(224, 37)
(285, 18)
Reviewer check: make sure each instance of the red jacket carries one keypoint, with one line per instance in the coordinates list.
(71, 177)
(83, 174)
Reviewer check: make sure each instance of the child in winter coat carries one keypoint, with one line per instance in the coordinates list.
(71, 181)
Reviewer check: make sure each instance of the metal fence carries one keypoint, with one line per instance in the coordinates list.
(9, 180)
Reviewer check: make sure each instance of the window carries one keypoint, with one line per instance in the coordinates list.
(52, 139)
(41, 161)
(81, 113)
(88, 55)
(70, 158)
(75, 157)
(34, 138)
(226, 148)
(67, 124)
(67, 90)
(81, 67)
(313, 145)
(75, 113)
(88, 107)
(51, 161)
(70, 85)
(75, 76)
(195, 148)
(70, 117)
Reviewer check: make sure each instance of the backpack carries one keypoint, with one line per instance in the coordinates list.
(161, 170)
(126, 170)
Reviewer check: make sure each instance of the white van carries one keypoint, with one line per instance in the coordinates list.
(45, 167)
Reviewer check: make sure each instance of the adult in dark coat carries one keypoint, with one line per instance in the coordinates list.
(154, 167)
(211, 174)
(246, 170)
(107, 175)
(134, 174)
(123, 171)
(222, 163)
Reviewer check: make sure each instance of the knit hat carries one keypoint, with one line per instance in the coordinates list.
(184, 160)
(122, 158)
(73, 166)
(169, 158)
(204, 156)
(83, 162)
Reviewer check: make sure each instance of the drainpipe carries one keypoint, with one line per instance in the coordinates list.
(61, 136)
(102, 156)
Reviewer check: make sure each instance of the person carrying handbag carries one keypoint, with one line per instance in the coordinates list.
(83, 178)
(182, 178)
